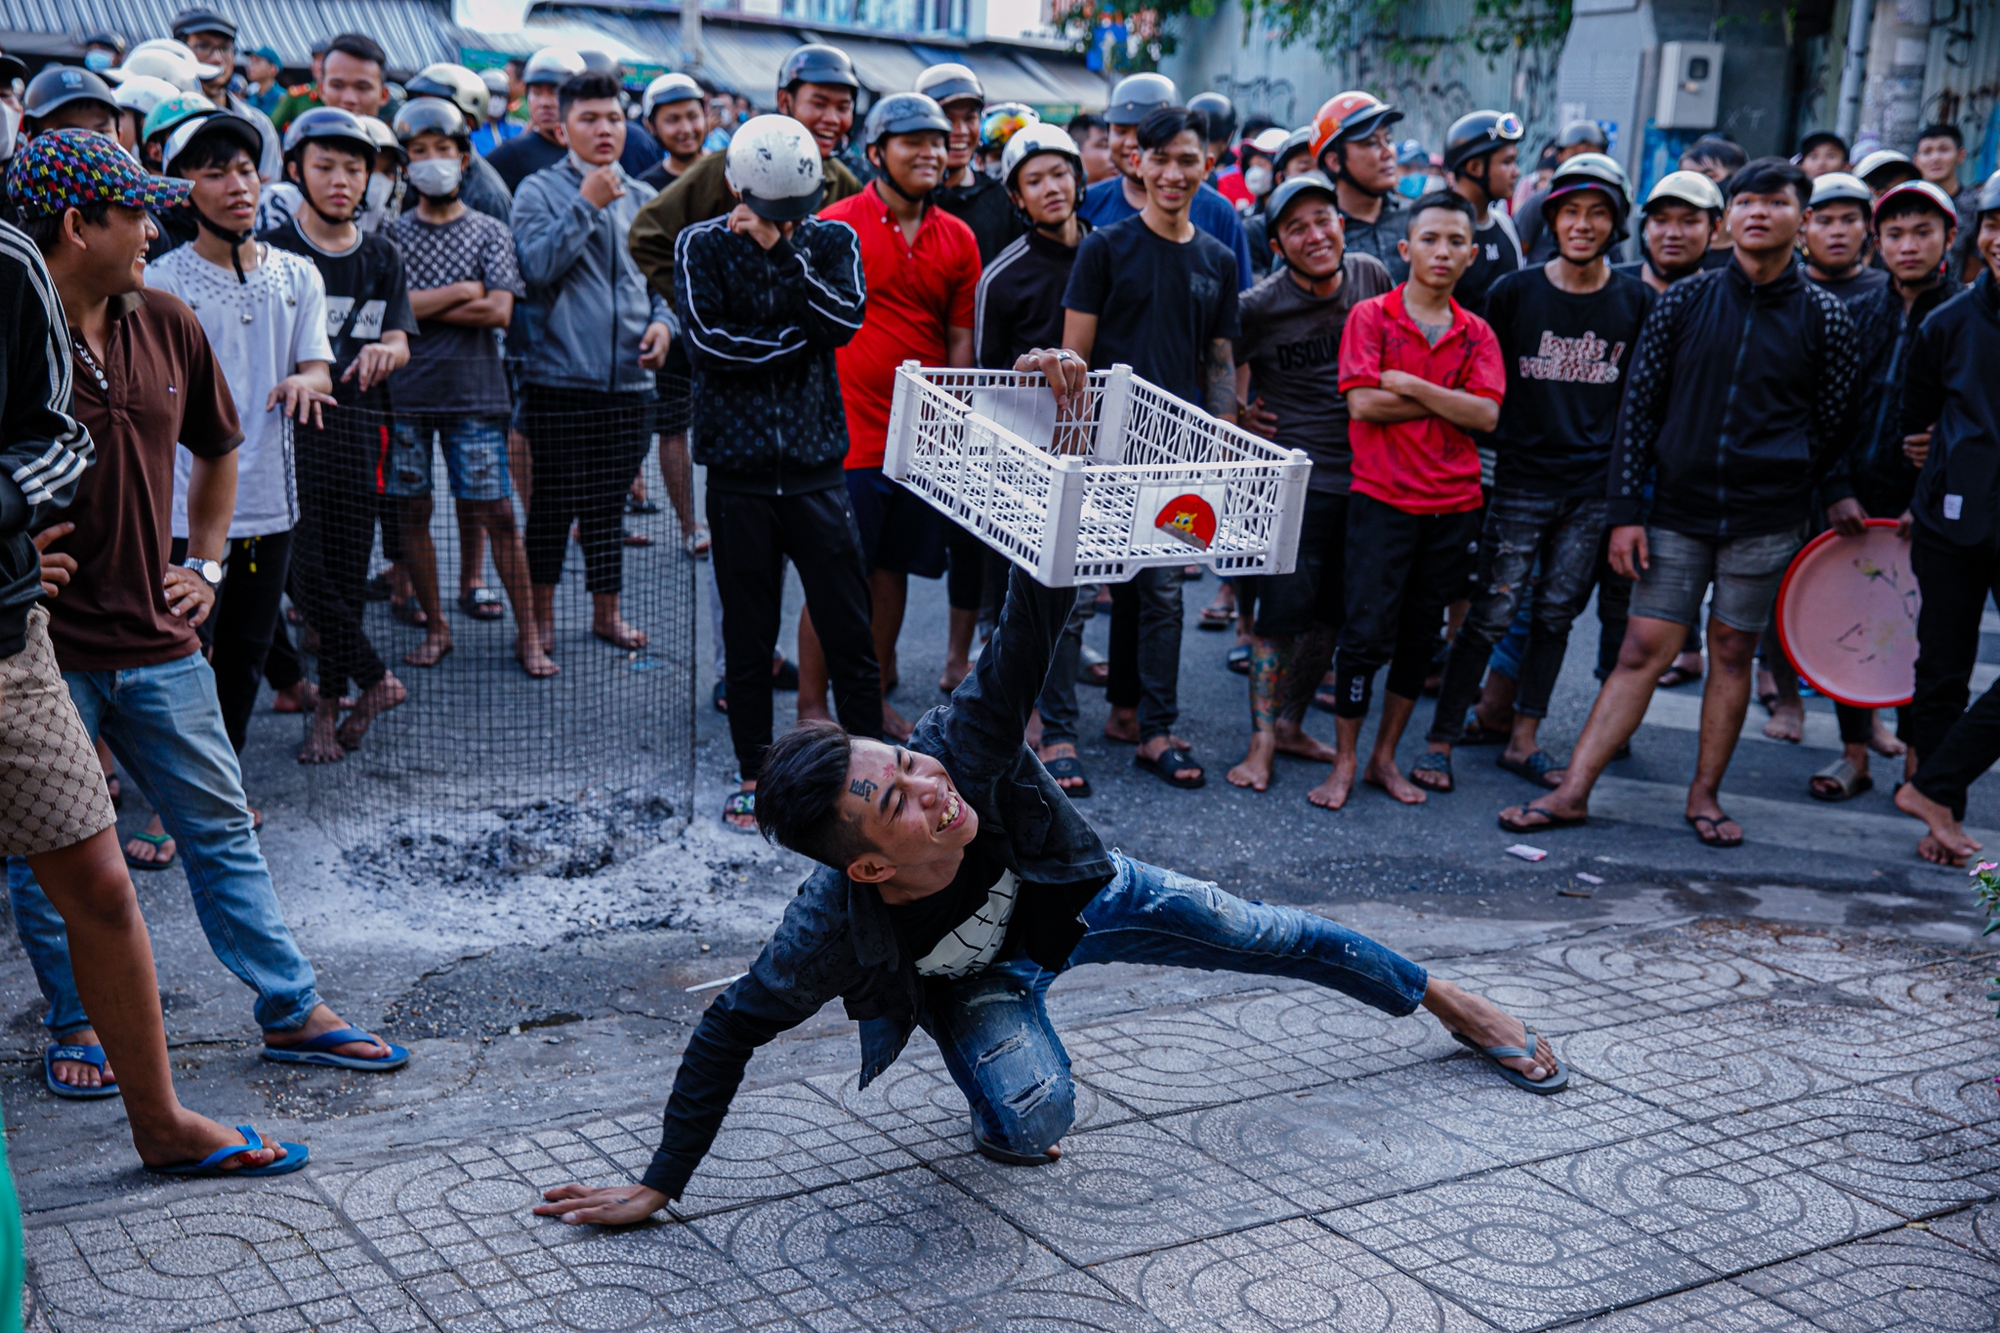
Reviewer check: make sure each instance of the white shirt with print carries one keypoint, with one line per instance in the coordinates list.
(261, 330)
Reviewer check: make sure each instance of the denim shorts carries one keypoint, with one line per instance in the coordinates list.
(1746, 572)
(475, 457)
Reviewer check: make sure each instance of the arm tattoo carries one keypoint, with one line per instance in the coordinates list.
(862, 787)
(1220, 378)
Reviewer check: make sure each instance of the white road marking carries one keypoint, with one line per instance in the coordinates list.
(1824, 830)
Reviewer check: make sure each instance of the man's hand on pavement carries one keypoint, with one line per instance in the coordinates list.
(1628, 550)
(188, 594)
(615, 1206)
(601, 184)
(295, 398)
(1847, 517)
(653, 346)
(57, 567)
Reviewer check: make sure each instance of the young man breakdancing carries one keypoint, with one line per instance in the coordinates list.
(956, 882)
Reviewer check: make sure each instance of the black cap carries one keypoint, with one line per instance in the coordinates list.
(817, 63)
(59, 85)
(203, 20)
(12, 67)
(1305, 183)
(1818, 137)
(1221, 114)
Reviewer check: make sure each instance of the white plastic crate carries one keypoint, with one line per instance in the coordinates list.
(1136, 479)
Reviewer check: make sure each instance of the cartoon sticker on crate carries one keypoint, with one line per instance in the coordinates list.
(1172, 516)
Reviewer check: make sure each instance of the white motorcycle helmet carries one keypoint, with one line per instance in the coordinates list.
(1031, 140)
(773, 163)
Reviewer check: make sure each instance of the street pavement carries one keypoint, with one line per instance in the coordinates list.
(1783, 1113)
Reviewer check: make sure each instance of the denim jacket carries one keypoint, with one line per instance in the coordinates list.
(582, 283)
(836, 939)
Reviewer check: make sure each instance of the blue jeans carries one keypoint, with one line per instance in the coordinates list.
(165, 727)
(1005, 1056)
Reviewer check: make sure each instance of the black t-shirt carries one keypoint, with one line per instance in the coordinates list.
(1160, 304)
(1566, 359)
(1381, 237)
(1493, 257)
(985, 207)
(1855, 285)
(921, 924)
(366, 297)
(524, 155)
(1020, 300)
(658, 176)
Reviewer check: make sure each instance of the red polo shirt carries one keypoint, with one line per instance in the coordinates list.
(1426, 466)
(915, 291)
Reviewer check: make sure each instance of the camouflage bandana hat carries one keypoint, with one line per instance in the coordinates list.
(65, 169)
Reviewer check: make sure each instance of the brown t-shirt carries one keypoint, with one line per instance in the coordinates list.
(160, 385)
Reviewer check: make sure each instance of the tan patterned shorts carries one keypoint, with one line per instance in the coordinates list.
(52, 793)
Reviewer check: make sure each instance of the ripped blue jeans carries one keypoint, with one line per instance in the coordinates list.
(1005, 1056)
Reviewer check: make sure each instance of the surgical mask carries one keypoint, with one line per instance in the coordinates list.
(1413, 187)
(10, 124)
(378, 193)
(99, 61)
(436, 177)
(1257, 179)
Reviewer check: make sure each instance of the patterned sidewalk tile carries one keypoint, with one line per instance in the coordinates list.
(1951, 992)
(273, 1257)
(1586, 986)
(1719, 1307)
(1070, 1302)
(1907, 1281)
(1291, 1275)
(1229, 1050)
(1667, 974)
(1976, 1228)
(1818, 954)
(1883, 1150)
(1117, 1191)
(782, 1140)
(1698, 1192)
(1859, 1041)
(1329, 1147)
(1466, 1098)
(1515, 1251)
(917, 1107)
(1968, 1093)
(903, 1248)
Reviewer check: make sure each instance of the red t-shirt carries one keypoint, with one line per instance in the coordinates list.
(1426, 466)
(914, 292)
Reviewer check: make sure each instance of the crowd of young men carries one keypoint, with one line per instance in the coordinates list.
(1502, 422)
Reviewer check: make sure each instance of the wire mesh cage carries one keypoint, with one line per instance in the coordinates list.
(556, 729)
(1130, 479)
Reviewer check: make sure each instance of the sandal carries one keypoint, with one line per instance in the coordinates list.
(158, 840)
(1535, 768)
(1171, 762)
(1549, 820)
(319, 1051)
(637, 539)
(1555, 1082)
(1068, 766)
(1217, 616)
(1712, 835)
(1676, 676)
(1238, 659)
(80, 1055)
(1430, 761)
(1847, 782)
(481, 604)
(210, 1167)
(1478, 733)
(739, 803)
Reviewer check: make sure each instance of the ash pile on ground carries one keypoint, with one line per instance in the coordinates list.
(557, 870)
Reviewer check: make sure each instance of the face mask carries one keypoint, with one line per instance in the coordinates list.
(1257, 179)
(10, 121)
(99, 61)
(1412, 187)
(435, 177)
(378, 193)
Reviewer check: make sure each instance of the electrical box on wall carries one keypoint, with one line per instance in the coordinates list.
(1690, 84)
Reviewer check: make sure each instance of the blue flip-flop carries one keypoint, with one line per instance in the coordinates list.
(1555, 1082)
(210, 1167)
(319, 1051)
(82, 1055)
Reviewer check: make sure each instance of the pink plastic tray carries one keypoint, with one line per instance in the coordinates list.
(1847, 616)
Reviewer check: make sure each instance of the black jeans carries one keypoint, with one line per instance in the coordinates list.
(1146, 649)
(1523, 533)
(239, 630)
(338, 472)
(1403, 570)
(587, 447)
(752, 535)
(1314, 593)
(1954, 744)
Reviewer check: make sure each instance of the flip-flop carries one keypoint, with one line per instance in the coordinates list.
(1430, 761)
(1850, 781)
(481, 604)
(1713, 836)
(210, 1167)
(1535, 768)
(1069, 766)
(1555, 1082)
(76, 1054)
(1550, 819)
(319, 1051)
(1238, 659)
(158, 840)
(1674, 677)
(739, 803)
(640, 506)
(1216, 617)
(1171, 761)
(719, 696)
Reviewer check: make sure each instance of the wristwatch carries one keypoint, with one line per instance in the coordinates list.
(210, 571)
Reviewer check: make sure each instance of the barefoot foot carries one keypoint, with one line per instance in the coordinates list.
(1390, 779)
(1255, 770)
(1332, 793)
(376, 700)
